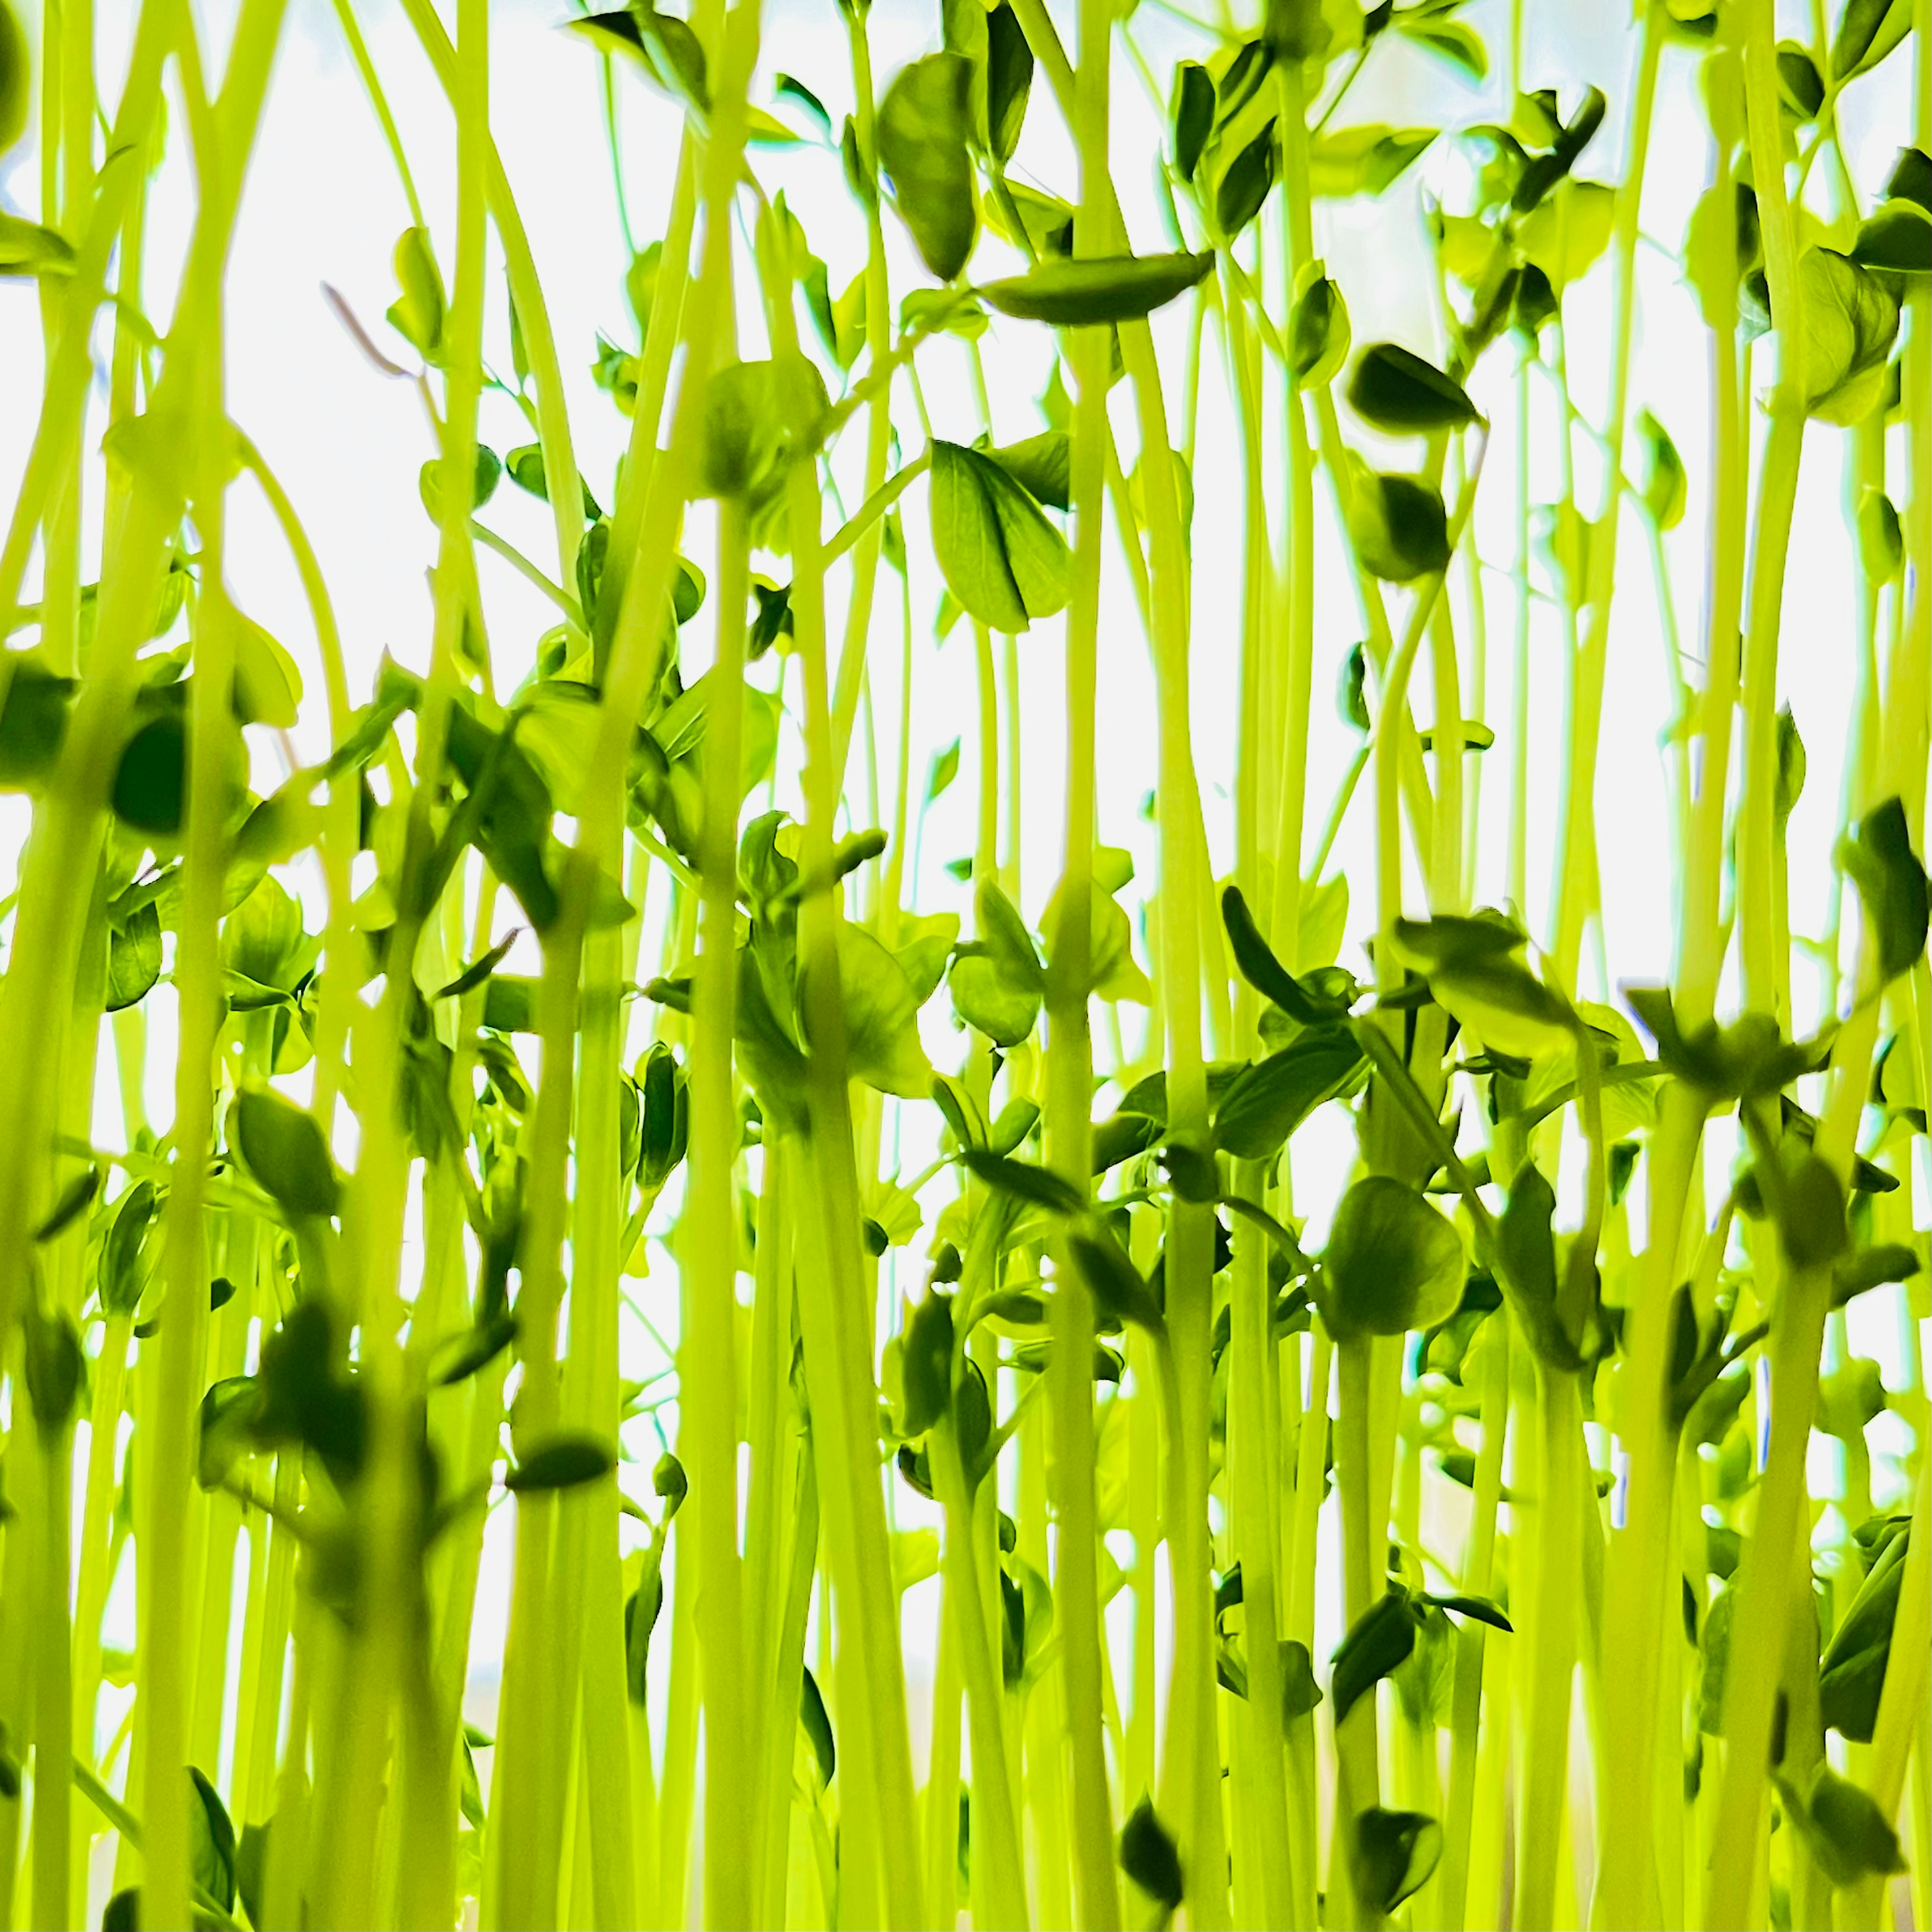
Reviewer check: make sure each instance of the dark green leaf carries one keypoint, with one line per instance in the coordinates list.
(1868, 30)
(474, 974)
(121, 1278)
(1317, 333)
(1879, 859)
(1120, 1291)
(1398, 527)
(1151, 1858)
(76, 1198)
(1800, 85)
(55, 1365)
(1192, 116)
(286, 1152)
(926, 1363)
(1848, 1835)
(1301, 1001)
(563, 1462)
(1869, 1267)
(1911, 178)
(818, 1725)
(150, 781)
(211, 1843)
(1300, 1693)
(1395, 1853)
(1380, 1641)
(1265, 1104)
(1397, 391)
(1096, 289)
(1039, 1186)
(1245, 183)
(1008, 80)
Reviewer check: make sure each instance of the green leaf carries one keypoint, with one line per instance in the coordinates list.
(1038, 1186)
(1151, 1858)
(211, 1843)
(1481, 1608)
(1801, 87)
(17, 77)
(999, 555)
(669, 1482)
(561, 1462)
(286, 1152)
(1267, 1101)
(1878, 858)
(489, 473)
(1245, 183)
(1192, 116)
(121, 1278)
(1472, 970)
(1565, 233)
(1661, 485)
(1008, 80)
(27, 249)
(55, 1365)
(1868, 30)
(1871, 1268)
(76, 1198)
(1300, 1693)
(417, 316)
(1318, 334)
(1811, 1212)
(1399, 392)
(224, 1427)
(1851, 321)
(1398, 527)
(1119, 1289)
(1364, 160)
(758, 417)
(1395, 1853)
(1042, 465)
(925, 124)
(1451, 40)
(817, 1724)
(1848, 1835)
(881, 1017)
(150, 790)
(1392, 1262)
(669, 53)
(926, 1363)
(1381, 1641)
(1572, 137)
(1911, 178)
(1095, 288)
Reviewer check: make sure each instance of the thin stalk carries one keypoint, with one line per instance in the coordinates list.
(708, 1379)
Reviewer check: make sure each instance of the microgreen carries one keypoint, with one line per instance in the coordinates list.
(681, 1218)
